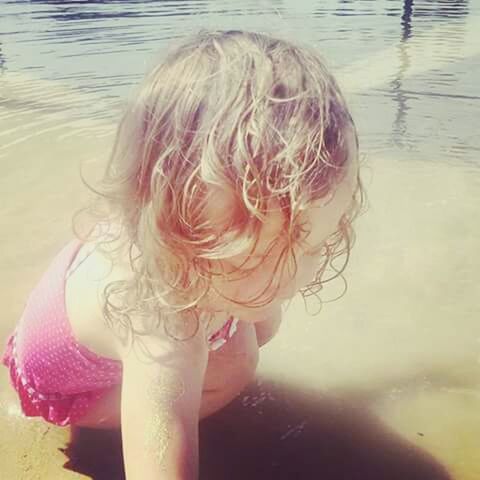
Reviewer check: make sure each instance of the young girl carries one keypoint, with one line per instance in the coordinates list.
(232, 185)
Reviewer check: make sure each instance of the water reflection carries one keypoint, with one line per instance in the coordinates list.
(347, 8)
(451, 46)
(406, 20)
(399, 128)
(78, 10)
(2, 60)
(442, 9)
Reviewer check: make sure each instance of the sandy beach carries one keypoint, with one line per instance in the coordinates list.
(393, 364)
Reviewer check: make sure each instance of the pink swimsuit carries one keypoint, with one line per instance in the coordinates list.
(56, 377)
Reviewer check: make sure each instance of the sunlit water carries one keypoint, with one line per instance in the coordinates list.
(405, 340)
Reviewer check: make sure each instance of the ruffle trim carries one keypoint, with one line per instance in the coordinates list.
(55, 408)
(61, 409)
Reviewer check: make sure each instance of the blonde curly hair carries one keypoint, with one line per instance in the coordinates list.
(256, 118)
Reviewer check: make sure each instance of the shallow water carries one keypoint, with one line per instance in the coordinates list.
(402, 347)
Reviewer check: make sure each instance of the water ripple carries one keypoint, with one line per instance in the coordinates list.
(84, 57)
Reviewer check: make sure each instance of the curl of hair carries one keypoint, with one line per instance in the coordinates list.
(257, 118)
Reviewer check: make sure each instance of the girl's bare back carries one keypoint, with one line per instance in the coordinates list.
(89, 274)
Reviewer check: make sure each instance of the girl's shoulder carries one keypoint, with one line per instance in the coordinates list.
(89, 275)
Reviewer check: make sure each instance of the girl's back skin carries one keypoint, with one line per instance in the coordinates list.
(232, 185)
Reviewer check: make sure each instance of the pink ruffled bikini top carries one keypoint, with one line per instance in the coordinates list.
(43, 350)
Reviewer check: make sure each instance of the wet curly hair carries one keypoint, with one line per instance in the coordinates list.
(257, 118)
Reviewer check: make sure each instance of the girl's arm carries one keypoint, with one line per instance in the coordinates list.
(160, 408)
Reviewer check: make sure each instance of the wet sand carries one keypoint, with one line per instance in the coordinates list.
(382, 384)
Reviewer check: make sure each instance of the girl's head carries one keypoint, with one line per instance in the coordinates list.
(234, 174)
